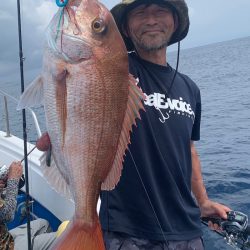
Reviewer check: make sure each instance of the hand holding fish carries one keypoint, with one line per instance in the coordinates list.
(43, 143)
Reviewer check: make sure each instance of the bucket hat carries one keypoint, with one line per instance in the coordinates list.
(179, 7)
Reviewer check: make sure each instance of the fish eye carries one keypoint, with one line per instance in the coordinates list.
(98, 25)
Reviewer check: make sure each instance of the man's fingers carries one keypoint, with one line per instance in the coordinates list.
(43, 143)
(214, 226)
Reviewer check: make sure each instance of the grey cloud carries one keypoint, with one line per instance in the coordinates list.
(211, 21)
(32, 25)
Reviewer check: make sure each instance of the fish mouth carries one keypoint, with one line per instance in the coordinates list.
(75, 39)
(70, 48)
(74, 49)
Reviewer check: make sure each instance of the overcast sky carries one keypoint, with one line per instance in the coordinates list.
(211, 21)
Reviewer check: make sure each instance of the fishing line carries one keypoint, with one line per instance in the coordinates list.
(61, 40)
(137, 170)
(59, 24)
(74, 21)
(151, 204)
(176, 69)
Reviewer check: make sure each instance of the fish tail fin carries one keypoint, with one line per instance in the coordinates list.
(79, 236)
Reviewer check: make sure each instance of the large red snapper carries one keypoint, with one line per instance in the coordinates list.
(91, 103)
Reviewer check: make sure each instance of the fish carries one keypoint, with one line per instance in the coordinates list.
(91, 104)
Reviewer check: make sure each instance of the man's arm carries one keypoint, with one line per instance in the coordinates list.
(207, 207)
(198, 187)
(7, 210)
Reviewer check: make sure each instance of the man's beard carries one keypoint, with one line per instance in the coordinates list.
(150, 46)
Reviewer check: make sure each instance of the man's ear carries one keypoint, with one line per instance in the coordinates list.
(125, 30)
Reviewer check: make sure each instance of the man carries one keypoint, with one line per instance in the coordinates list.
(9, 179)
(152, 206)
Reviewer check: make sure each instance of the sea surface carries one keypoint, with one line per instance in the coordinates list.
(222, 72)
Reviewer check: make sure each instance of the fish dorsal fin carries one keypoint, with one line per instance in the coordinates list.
(33, 95)
(134, 104)
(54, 177)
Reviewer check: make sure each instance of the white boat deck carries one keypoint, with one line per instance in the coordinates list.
(11, 148)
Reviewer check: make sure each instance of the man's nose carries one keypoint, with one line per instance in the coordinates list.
(151, 19)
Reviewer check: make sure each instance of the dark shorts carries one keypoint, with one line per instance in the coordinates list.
(121, 241)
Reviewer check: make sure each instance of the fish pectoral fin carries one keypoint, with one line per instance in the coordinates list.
(134, 104)
(54, 177)
(33, 95)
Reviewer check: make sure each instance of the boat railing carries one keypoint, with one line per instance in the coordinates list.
(6, 98)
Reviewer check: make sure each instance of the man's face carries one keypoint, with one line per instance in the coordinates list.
(150, 27)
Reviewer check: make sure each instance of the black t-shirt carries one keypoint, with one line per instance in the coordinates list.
(160, 151)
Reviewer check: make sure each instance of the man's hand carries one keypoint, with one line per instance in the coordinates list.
(2, 184)
(213, 209)
(43, 143)
(16, 170)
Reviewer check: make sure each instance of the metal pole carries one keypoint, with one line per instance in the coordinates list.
(27, 203)
(7, 117)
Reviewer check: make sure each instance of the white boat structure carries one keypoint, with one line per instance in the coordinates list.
(46, 202)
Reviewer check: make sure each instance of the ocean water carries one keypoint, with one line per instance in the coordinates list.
(222, 72)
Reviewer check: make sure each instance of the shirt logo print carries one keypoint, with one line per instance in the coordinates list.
(168, 106)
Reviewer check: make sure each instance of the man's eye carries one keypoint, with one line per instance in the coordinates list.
(164, 11)
(139, 13)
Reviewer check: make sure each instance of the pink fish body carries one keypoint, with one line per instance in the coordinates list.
(91, 103)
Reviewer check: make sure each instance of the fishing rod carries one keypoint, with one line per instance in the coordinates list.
(4, 171)
(29, 153)
(21, 58)
(235, 229)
